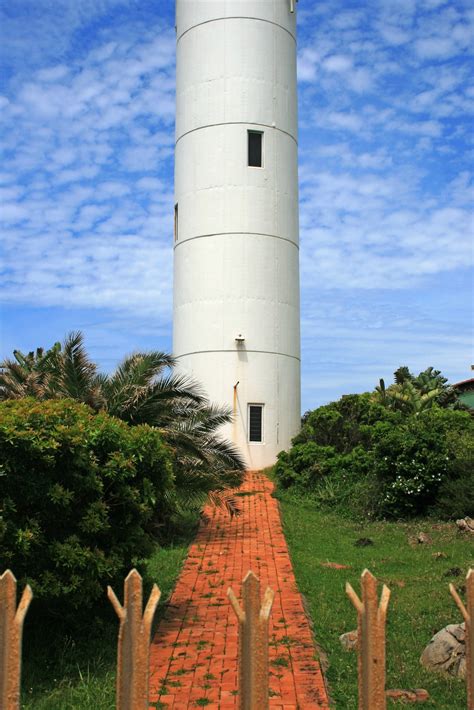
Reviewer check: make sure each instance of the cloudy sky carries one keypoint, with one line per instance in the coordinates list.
(386, 156)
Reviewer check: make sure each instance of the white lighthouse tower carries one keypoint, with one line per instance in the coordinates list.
(236, 269)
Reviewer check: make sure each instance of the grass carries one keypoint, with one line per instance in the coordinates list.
(79, 674)
(420, 604)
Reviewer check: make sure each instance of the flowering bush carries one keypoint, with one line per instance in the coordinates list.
(413, 459)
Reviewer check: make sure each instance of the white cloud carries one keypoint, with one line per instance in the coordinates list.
(53, 73)
(342, 120)
(307, 61)
(369, 241)
(435, 47)
(394, 35)
(337, 63)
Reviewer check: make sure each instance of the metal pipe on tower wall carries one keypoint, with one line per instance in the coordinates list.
(236, 265)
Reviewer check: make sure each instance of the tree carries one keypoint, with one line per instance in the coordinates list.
(28, 375)
(64, 371)
(145, 390)
(413, 394)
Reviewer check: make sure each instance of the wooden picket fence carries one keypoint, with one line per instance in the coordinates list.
(253, 618)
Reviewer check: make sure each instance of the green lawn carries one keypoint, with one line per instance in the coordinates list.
(62, 674)
(420, 603)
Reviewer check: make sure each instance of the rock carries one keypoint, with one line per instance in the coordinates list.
(417, 695)
(446, 652)
(363, 542)
(439, 555)
(465, 524)
(423, 539)
(350, 640)
(453, 572)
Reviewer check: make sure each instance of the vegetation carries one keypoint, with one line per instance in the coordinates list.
(420, 604)
(95, 470)
(82, 497)
(144, 389)
(399, 452)
(412, 394)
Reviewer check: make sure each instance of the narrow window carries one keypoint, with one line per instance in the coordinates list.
(255, 149)
(256, 422)
(176, 222)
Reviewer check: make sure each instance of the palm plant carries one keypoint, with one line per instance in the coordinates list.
(413, 394)
(411, 399)
(28, 375)
(63, 371)
(144, 390)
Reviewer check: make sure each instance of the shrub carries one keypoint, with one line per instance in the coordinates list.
(456, 493)
(415, 459)
(359, 456)
(303, 465)
(331, 480)
(344, 424)
(78, 494)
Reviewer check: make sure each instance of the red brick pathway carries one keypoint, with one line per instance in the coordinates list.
(194, 653)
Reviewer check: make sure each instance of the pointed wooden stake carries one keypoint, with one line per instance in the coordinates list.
(253, 643)
(11, 631)
(468, 614)
(133, 642)
(371, 648)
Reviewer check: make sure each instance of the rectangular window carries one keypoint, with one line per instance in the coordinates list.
(176, 222)
(255, 149)
(256, 422)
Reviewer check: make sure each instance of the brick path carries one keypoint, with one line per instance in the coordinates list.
(194, 654)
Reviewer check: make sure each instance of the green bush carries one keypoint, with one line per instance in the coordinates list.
(415, 459)
(337, 481)
(456, 493)
(362, 458)
(79, 494)
(344, 424)
(303, 465)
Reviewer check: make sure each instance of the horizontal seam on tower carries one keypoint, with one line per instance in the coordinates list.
(235, 123)
(236, 17)
(223, 234)
(264, 352)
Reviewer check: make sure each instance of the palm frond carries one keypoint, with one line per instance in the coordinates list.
(226, 500)
(402, 375)
(139, 391)
(141, 368)
(77, 370)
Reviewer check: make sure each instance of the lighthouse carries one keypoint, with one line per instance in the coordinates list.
(236, 312)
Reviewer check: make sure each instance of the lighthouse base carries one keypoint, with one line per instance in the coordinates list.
(262, 390)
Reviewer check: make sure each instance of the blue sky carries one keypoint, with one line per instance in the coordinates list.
(386, 156)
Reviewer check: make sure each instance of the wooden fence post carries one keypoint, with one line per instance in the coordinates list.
(253, 643)
(11, 631)
(371, 641)
(468, 614)
(133, 642)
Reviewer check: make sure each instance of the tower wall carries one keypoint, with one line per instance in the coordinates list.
(236, 247)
